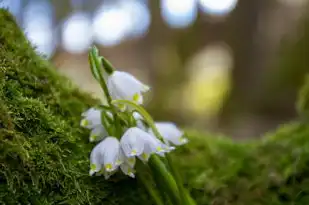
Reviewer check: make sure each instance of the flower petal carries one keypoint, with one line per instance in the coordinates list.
(111, 154)
(96, 158)
(91, 118)
(132, 143)
(97, 133)
(171, 133)
(123, 85)
(127, 170)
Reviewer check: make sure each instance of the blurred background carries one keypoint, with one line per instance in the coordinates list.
(230, 66)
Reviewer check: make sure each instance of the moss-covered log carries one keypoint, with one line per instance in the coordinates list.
(44, 152)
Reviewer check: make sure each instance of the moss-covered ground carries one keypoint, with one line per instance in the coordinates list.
(44, 152)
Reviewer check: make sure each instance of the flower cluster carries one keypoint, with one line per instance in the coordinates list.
(137, 140)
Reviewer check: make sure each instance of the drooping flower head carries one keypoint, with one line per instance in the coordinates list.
(136, 142)
(91, 118)
(171, 133)
(124, 86)
(105, 155)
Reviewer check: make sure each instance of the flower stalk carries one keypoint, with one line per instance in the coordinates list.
(126, 132)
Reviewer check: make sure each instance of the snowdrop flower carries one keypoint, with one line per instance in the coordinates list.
(136, 142)
(91, 118)
(139, 121)
(98, 133)
(170, 133)
(106, 156)
(124, 86)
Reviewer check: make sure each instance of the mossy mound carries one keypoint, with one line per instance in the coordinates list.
(273, 170)
(44, 152)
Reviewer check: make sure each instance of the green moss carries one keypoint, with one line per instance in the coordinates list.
(44, 152)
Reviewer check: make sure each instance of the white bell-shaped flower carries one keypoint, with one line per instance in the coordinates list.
(97, 133)
(91, 118)
(136, 142)
(171, 133)
(139, 121)
(105, 155)
(124, 86)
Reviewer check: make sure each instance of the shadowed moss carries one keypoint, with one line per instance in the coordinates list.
(44, 152)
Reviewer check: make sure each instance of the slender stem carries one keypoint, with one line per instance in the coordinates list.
(104, 122)
(184, 196)
(158, 167)
(143, 112)
(95, 59)
(152, 192)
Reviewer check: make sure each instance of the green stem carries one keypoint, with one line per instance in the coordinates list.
(151, 190)
(104, 121)
(159, 169)
(143, 112)
(184, 196)
(93, 56)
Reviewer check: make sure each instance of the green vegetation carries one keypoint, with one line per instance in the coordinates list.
(44, 152)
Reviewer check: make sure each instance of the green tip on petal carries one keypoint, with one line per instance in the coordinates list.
(109, 167)
(145, 156)
(84, 123)
(136, 97)
(93, 138)
(93, 167)
(159, 149)
(131, 161)
(133, 152)
(119, 162)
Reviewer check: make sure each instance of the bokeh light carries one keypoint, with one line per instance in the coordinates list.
(218, 7)
(121, 20)
(110, 25)
(139, 15)
(77, 33)
(210, 79)
(179, 14)
(38, 25)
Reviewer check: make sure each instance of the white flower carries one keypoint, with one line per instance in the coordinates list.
(170, 133)
(91, 118)
(97, 133)
(124, 86)
(136, 142)
(106, 156)
(139, 121)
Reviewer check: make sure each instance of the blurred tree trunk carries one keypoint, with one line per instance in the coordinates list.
(264, 84)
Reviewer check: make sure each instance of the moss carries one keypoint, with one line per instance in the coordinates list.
(44, 152)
